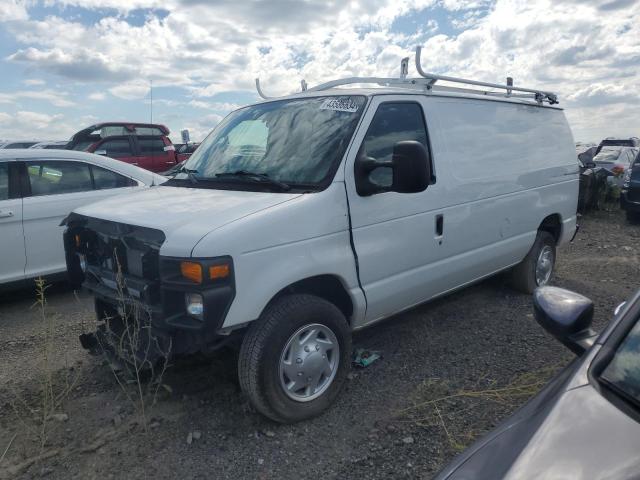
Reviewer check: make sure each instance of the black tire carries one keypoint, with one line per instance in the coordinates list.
(262, 348)
(633, 217)
(523, 275)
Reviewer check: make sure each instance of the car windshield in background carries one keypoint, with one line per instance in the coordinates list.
(296, 142)
(623, 372)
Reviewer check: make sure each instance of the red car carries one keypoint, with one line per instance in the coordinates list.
(146, 145)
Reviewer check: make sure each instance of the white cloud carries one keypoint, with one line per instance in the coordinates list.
(34, 125)
(32, 82)
(56, 98)
(77, 63)
(11, 10)
(220, 106)
(96, 96)
(135, 90)
(203, 125)
(587, 50)
(456, 5)
(35, 119)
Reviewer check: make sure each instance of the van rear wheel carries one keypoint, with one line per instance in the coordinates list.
(295, 358)
(537, 267)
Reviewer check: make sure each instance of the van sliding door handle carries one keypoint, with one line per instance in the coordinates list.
(439, 225)
(6, 214)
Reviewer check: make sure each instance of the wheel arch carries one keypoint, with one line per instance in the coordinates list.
(553, 225)
(326, 286)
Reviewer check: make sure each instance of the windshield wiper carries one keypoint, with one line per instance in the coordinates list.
(190, 173)
(257, 177)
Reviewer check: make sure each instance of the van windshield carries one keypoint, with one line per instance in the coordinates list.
(297, 142)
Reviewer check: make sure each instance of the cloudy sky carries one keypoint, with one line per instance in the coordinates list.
(66, 64)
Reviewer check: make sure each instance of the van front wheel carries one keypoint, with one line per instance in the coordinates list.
(537, 267)
(295, 358)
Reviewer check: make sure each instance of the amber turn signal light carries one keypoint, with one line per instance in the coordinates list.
(192, 271)
(218, 271)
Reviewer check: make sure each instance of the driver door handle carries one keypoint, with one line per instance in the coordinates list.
(6, 213)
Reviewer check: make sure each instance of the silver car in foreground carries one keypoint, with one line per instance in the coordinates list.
(584, 423)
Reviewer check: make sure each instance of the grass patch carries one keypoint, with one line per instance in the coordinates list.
(444, 408)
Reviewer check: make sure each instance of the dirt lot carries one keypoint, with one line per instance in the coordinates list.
(384, 425)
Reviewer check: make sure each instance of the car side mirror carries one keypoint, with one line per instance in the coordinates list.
(565, 315)
(411, 168)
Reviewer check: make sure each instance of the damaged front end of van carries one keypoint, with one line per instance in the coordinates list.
(148, 307)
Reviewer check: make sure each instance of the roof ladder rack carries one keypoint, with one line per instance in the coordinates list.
(427, 82)
(538, 95)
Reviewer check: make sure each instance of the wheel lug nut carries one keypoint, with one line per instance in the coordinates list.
(300, 374)
(306, 348)
(298, 360)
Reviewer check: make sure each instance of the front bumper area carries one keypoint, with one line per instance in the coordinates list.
(161, 309)
(140, 294)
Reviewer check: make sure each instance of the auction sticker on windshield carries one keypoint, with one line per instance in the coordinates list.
(340, 104)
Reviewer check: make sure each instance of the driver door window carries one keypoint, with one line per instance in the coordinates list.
(392, 123)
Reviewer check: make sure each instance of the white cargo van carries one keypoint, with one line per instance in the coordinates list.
(301, 219)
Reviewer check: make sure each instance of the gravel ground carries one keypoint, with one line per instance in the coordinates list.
(201, 426)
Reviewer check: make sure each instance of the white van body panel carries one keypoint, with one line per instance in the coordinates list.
(501, 169)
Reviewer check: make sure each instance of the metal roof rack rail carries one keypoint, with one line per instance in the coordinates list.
(539, 95)
(428, 81)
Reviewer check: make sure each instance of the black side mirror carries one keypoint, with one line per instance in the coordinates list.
(565, 315)
(411, 168)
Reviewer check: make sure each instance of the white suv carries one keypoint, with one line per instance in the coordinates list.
(301, 219)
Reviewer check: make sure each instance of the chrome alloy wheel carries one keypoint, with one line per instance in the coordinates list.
(309, 362)
(544, 265)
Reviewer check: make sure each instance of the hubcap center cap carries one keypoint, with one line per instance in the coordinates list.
(311, 363)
